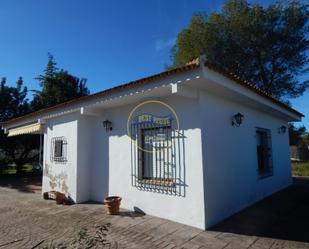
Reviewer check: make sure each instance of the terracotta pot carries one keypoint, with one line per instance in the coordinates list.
(60, 198)
(112, 203)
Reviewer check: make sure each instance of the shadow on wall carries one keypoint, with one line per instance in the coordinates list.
(161, 171)
(283, 215)
(100, 155)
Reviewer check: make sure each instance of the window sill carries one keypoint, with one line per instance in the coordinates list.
(265, 175)
(59, 160)
(157, 182)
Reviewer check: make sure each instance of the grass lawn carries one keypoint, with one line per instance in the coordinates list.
(300, 169)
(11, 170)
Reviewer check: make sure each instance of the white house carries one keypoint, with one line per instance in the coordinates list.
(193, 144)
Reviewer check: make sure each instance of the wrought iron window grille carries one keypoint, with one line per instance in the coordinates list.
(157, 152)
(58, 150)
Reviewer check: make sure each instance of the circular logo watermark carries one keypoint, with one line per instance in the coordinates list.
(150, 131)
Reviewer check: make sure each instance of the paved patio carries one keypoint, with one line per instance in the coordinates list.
(27, 221)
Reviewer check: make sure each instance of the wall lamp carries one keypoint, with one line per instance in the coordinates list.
(282, 129)
(107, 125)
(237, 119)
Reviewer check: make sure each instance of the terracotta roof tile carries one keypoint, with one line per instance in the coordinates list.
(125, 86)
(189, 66)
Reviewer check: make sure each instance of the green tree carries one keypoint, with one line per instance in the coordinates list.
(22, 149)
(266, 46)
(58, 86)
(13, 100)
(296, 134)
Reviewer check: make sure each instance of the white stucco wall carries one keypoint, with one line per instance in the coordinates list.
(219, 160)
(103, 162)
(61, 176)
(84, 158)
(187, 208)
(85, 172)
(230, 160)
(92, 159)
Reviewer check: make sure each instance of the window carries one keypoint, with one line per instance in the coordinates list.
(59, 149)
(264, 153)
(155, 155)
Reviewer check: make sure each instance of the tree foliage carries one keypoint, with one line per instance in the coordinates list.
(296, 134)
(13, 100)
(300, 138)
(58, 86)
(264, 45)
(22, 149)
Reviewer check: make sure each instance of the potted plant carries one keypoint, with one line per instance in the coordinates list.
(112, 203)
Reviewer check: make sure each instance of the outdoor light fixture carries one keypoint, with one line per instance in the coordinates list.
(107, 125)
(237, 119)
(282, 129)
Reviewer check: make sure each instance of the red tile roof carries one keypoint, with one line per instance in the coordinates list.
(189, 66)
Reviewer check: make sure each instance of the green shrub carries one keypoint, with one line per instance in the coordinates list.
(300, 168)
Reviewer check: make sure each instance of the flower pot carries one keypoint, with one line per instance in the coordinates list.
(60, 198)
(112, 203)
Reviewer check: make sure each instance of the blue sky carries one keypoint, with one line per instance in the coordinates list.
(107, 42)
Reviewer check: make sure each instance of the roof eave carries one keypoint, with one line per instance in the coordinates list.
(191, 66)
(252, 87)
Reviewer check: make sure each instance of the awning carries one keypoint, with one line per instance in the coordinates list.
(26, 129)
